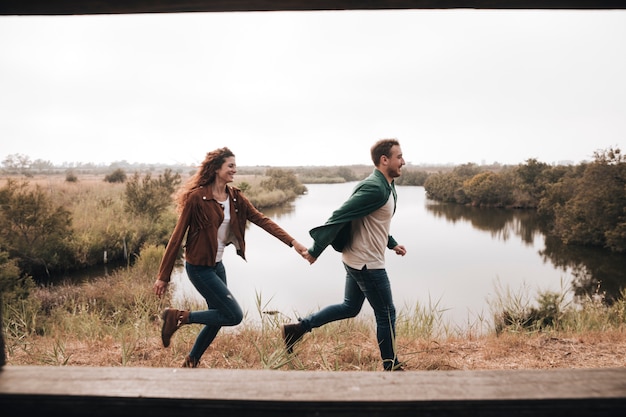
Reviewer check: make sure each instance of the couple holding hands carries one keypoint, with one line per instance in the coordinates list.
(213, 215)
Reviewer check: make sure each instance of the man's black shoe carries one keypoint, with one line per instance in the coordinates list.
(292, 333)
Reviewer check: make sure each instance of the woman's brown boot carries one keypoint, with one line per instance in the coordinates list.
(190, 363)
(172, 320)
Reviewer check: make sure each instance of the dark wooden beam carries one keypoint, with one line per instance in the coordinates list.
(69, 7)
(161, 392)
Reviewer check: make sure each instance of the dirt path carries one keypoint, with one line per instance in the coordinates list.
(533, 352)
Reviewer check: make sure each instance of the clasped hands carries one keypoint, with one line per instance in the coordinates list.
(303, 251)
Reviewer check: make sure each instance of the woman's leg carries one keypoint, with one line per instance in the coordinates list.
(223, 309)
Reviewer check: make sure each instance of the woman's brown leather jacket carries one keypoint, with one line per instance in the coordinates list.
(200, 219)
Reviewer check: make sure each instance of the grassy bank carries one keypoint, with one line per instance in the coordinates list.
(114, 322)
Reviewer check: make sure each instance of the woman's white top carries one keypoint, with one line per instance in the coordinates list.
(223, 233)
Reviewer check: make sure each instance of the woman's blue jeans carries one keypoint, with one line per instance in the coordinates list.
(373, 285)
(223, 309)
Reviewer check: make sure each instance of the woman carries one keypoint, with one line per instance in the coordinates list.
(212, 216)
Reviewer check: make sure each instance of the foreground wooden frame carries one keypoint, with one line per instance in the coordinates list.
(64, 7)
(80, 391)
(155, 392)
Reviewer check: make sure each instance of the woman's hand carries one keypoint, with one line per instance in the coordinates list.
(302, 250)
(160, 287)
(299, 247)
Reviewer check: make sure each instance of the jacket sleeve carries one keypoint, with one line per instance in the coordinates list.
(264, 222)
(173, 245)
(328, 234)
(336, 231)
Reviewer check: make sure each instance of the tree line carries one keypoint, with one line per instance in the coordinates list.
(581, 204)
(23, 165)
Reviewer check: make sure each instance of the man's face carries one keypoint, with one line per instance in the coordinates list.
(395, 162)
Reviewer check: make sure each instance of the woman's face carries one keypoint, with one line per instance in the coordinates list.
(228, 170)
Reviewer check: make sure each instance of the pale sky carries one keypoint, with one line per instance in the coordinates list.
(314, 88)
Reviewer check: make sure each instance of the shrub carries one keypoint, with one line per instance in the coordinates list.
(150, 197)
(116, 176)
(70, 176)
(33, 230)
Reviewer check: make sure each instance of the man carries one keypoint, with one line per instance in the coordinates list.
(359, 229)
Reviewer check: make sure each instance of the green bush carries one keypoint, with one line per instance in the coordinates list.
(284, 180)
(150, 197)
(116, 176)
(33, 229)
(70, 176)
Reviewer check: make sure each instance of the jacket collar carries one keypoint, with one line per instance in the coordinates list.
(207, 192)
(380, 176)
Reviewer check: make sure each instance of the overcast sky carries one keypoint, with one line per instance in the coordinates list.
(314, 88)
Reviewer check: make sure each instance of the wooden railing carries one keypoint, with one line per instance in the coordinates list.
(86, 391)
(155, 392)
(57, 7)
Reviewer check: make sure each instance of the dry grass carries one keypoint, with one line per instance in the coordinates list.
(115, 322)
(525, 351)
(338, 346)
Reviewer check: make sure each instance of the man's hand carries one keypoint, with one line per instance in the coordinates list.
(400, 250)
(306, 255)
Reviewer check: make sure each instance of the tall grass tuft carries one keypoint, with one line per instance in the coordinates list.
(594, 313)
(555, 311)
(422, 321)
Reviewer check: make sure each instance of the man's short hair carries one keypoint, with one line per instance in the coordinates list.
(382, 147)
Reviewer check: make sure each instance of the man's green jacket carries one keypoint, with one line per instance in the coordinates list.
(368, 196)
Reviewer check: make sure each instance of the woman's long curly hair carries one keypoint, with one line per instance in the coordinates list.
(205, 175)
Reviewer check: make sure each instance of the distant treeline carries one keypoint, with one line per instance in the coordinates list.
(332, 175)
(18, 164)
(582, 204)
(21, 164)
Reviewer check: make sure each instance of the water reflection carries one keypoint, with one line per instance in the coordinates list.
(84, 275)
(595, 271)
(501, 224)
(278, 213)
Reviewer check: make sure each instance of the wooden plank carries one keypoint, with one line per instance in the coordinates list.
(72, 391)
(61, 7)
